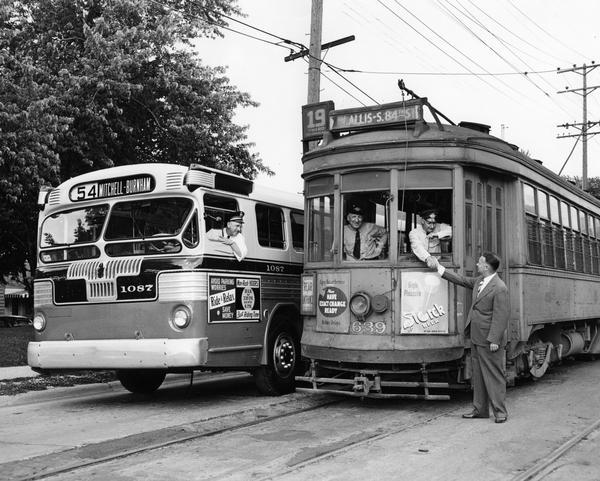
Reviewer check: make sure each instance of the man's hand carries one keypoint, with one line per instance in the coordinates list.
(493, 347)
(432, 262)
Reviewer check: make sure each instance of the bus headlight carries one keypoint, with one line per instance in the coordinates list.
(360, 305)
(39, 322)
(181, 317)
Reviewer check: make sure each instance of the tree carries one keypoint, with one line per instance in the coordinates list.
(88, 84)
(593, 184)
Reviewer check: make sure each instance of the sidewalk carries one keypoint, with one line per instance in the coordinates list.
(14, 372)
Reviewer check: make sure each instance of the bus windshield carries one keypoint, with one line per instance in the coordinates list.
(73, 226)
(147, 218)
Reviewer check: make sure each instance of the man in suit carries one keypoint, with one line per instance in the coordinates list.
(486, 326)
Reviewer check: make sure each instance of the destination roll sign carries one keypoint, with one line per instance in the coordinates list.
(397, 113)
(117, 187)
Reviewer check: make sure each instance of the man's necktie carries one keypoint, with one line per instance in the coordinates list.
(480, 287)
(356, 250)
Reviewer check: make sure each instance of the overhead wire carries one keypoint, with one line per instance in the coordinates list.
(460, 22)
(542, 29)
(437, 46)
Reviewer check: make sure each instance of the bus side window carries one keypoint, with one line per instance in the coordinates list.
(269, 224)
(297, 219)
(217, 209)
(190, 235)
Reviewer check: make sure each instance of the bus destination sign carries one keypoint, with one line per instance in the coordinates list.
(120, 186)
(397, 113)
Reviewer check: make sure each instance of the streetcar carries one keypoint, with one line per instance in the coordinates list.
(388, 326)
(129, 280)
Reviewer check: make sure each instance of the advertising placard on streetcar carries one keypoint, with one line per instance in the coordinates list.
(333, 311)
(233, 298)
(424, 303)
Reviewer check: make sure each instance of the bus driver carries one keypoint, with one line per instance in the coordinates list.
(425, 237)
(231, 235)
(362, 240)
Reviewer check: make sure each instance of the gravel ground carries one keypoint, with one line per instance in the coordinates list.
(10, 387)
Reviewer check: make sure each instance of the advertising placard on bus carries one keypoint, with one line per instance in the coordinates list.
(233, 298)
(424, 303)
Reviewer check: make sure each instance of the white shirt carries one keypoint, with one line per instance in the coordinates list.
(219, 235)
(424, 244)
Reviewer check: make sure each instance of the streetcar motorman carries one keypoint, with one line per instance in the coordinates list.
(426, 236)
(231, 235)
(363, 240)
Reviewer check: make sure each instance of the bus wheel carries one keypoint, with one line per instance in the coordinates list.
(141, 381)
(277, 377)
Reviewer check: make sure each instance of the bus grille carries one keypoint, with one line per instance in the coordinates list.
(182, 286)
(54, 197)
(174, 180)
(42, 293)
(96, 270)
(101, 290)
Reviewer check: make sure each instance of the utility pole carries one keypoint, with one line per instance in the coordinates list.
(585, 124)
(314, 51)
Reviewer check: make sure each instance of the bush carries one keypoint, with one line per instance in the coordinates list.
(13, 345)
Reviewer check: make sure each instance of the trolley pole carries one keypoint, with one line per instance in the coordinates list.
(585, 124)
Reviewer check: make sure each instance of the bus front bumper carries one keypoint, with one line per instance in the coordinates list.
(118, 354)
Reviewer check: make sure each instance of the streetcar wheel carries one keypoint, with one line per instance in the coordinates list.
(141, 381)
(278, 377)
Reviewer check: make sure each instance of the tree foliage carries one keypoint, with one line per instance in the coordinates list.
(89, 84)
(593, 184)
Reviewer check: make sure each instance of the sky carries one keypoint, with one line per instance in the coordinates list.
(489, 61)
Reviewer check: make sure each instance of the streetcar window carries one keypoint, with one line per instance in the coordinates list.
(542, 204)
(320, 228)
(554, 212)
(269, 224)
(583, 222)
(529, 199)
(297, 219)
(566, 219)
(366, 226)
(413, 203)
(574, 218)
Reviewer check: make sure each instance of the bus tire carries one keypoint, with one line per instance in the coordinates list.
(141, 381)
(278, 376)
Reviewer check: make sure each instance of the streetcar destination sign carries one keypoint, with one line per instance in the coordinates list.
(117, 187)
(397, 113)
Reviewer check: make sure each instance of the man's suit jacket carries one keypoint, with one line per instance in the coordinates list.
(488, 317)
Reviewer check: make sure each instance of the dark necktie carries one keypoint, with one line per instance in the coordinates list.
(356, 250)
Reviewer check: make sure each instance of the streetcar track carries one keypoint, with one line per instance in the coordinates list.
(70, 460)
(366, 438)
(543, 466)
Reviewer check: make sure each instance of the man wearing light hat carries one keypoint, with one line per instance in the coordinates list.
(425, 238)
(231, 235)
(362, 240)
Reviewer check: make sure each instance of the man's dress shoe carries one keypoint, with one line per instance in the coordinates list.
(474, 415)
(500, 420)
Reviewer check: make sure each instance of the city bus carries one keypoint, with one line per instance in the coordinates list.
(128, 279)
(383, 324)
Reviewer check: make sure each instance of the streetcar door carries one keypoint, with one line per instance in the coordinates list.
(483, 223)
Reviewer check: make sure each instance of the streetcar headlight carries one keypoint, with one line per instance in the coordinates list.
(360, 304)
(39, 322)
(181, 317)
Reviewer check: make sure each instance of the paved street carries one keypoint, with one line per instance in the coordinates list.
(232, 433)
